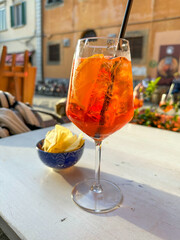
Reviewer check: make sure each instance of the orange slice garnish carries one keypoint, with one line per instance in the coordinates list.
(85, 77)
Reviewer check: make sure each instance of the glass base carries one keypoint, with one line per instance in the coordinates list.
(97, 199)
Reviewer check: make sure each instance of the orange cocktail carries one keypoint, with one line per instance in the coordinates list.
(138, 102)
(166, 107)
(100, 102)
(166, 103)
(100, 98)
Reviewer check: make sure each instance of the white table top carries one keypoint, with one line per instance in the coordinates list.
(35, 201)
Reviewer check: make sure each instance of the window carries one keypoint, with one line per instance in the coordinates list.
(2, 19)
(54, 1)
(53, 53)
(18, 14)
(136, 46)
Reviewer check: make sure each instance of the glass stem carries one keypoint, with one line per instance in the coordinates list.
(97, 185)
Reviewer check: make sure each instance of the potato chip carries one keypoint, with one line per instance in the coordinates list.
(61, 139)
(77, 144)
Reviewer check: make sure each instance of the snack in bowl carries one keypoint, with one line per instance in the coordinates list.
(60, 149)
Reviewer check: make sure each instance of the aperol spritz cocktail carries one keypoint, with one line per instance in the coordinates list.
(100, 97)
(100, 102)
(166, 102)
(138, 101)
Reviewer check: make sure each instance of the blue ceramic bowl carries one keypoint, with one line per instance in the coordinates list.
(59, 160)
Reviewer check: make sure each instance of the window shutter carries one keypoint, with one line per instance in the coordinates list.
(1, 20)
(4, 19)
(23, 13)
(12, 16)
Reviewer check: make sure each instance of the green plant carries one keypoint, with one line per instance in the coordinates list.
(152, 85)
(150, 117)
(146, 117)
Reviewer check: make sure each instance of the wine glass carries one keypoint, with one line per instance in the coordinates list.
(138, 95)
(166, 102)
(100, 102)
(138, 100)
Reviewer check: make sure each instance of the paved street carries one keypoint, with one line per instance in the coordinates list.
(45, 102)
(48, 104)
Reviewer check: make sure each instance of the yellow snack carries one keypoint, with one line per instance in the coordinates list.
(61, 139)
(77, 144)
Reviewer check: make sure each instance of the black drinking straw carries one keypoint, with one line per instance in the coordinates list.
(109, 90)
(125, 21)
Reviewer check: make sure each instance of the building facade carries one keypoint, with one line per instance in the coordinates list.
(21, 29)
(153, 31)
